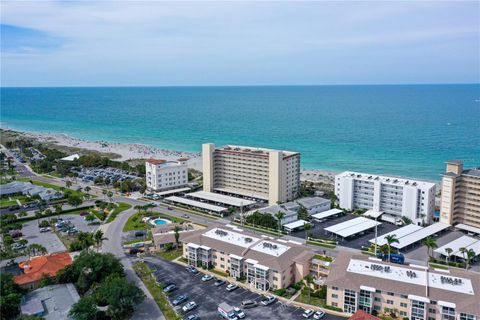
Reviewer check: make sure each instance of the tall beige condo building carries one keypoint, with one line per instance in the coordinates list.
(265, 174)
(460, 195)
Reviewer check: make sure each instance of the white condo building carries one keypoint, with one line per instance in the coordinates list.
(395, 197)
(259, 173)
(165, 175)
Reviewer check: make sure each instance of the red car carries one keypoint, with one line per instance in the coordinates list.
(84, 213)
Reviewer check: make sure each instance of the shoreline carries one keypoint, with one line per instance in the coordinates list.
(135, 151)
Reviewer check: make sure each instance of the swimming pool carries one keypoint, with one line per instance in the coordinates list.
(160, 221)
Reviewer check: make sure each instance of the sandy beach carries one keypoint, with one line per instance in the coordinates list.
(142, 151)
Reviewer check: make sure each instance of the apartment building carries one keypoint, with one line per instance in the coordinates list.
(395, 197)
(266, 263)
(166, 175)
(356, 282)
(264, 174)
(460, 195)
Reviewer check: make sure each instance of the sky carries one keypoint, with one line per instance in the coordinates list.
(153, 43)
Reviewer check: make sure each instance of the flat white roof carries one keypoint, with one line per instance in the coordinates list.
(164, 193)
(410, 276)
(326, 214)
(232, 237)
(216, 197)
(468, 228)
(233, 256)
(259, 266)
(474, 246)
(350, 231)
(420, 234)
(270, 248)
(346, 224)
(392, 180)
(401, 232)
(295, 224)
(243, 193)
(197, 204)
(455, 245)
(373, 214)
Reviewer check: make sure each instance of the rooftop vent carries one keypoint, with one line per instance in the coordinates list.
(221, 233)
(270, 245)
(450, 280)
(248, 240)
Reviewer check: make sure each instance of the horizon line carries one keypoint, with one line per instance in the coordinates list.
(242, 85)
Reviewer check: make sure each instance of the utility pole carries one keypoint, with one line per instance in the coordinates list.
(376, 234)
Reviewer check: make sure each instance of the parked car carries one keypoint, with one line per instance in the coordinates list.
(180, 299)
(268, 300)
(307, 313)
(240, 314)
(188, 268)
(169, 208)
(232, 286)
(189, 306)
(46, 229)
(170, 287)
(186, 216)
(194, 270)
(318, 314)
(247, 304)
(219, 282)
(18, 246)
(192, 317)
(84, 213)
(135, 251)
(207, 277)
(15, 233)
(139, 233)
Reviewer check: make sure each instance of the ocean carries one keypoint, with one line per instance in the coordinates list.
(405, 130)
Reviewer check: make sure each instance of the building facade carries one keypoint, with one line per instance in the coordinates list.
(266, 263)
(356, 282)
(264, 174)
(460, 195)
(164, 175)
(395, 197)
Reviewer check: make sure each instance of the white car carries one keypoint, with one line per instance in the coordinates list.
(240, 314)
(232, 287)
(307, 313)
(46, 229)
(189, 306)
(319, 314)
(268, 300)
(207, 277)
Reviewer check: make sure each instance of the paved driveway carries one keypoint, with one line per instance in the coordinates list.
(49, 240)
(208, 297)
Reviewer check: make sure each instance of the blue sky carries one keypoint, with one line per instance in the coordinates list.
(68, 43)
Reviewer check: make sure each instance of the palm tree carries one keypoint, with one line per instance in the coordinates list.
(177, 229)
(470, 255)
(110, 195)
(57, 208)
(104, 191)
(68, 183)
(463, 251)
(99, 238)
(391, 238)
(280, 215)
(307, 227)
(35, 249)
(85, 239)
(431, 244)
(87, 190)
(449, 252)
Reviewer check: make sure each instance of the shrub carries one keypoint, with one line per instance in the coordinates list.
(280, 292)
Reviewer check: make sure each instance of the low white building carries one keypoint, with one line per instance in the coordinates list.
(165, 175)
(314, 204)
(392, 196)
(290, 215)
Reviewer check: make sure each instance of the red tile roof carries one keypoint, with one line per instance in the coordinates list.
(35, 268)
(183, 159)
(156, 161)
(362, 315)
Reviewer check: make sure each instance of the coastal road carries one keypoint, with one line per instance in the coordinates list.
(148, 309)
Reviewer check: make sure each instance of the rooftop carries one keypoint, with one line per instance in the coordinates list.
(362, 315)
(35, 268)
(353, 271)
(220, 198)
(474, 172)
(253, 150)
(386, 179)
(156, 161)
(271, 248)
(51, 302)
(232, 237)
(311, 202)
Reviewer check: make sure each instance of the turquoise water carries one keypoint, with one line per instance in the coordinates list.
(407, 130)
(159, 221)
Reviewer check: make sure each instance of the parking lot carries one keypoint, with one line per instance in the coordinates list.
(49, 240)
(356, 241)
(208, 297)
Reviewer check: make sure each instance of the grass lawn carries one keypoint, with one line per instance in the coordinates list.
(323, 258)
(144, 272)
(6, 202)
(170, 255)
(220, 273)
(122, 206)
(320, 244)
(135, 223)
(55, 187)
(303, 298)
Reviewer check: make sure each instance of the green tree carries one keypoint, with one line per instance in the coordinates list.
(104, 192)
(98, 237)
(470, 255)
(22, 214)
(110, 195)
(449, 252)
(90, 217)
(307, 227)
(431, 244)
(74, 200)
(84, 309)
(177, 229)
(44, 224)
(35, 249)
(280, 215)
(87, 190)
(303, 213)
(57, 208)
(120, 295)
(45, 280)
(68, 183)
(391, 239)
(10, 297)
(85, 239)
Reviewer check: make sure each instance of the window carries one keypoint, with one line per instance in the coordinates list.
(403, 296)
(377, 299)
(378, 291)
(403, 304)
(377, 308)
(418, 310)
(350, 301)
(432, 310)
(466, 316)
(403, 313)
(389, 301)
(335, 296)
(391, 294)
(448, 313)
(222, 266)
(334, 288)
(334, 304)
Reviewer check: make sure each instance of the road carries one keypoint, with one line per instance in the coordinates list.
(113, 231)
